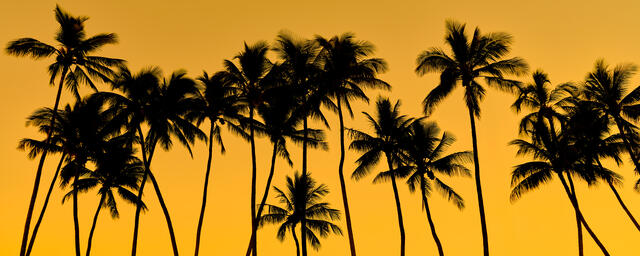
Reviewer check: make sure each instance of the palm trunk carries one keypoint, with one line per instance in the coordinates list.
(343, 187)
(398, 208)
(431, 225)
(44, 206)
(579, 223)
(483, 221)
(76, 224)
(254, 231)
(174, 244)
(254, 222)
(295, 239)
(93, 225)
(624, 206)
(627, 144)
(36, 183)
(574, 203)
(206, 186)
(303, 221)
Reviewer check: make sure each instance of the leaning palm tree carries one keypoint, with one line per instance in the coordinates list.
(471, 59)
(253, 76)
(607, 87)
(302, 199)
(424, 153)
(348, 69)
(389, 129)
(218, 103)
(74, 64)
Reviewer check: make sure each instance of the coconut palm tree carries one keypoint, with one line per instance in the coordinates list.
(389, 128)
(302, 198)
(218, 103)
(74, 64)
(471, 59)
(607, 88)
(253, 77)
(425, 154)
(348, 69)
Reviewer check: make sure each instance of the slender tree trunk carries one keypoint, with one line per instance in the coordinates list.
(36, 183)
(174, 243)
(431, 225)
(398, 208)
(476, 162)
(579, 223)
(343, 187)
(295, 239)
(44, 206)
(254, 222)
(632, 153)
(303, 221)
(624, 206)
(206, 186)
(76, 224)
(254, 231)
(93, 225)
(574, 203)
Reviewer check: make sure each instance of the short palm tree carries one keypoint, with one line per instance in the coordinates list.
(389, 129)
(348, 69)
(302, 199)
(74, 64)
(425, 154)
(471, 59)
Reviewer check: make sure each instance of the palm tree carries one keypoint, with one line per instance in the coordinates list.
(482, 56)
(389, 129)
(219, 104)
(347, 69)
(74, 65)
(607, 87)
(164, 107)
(253, 77)
(424, 153)
(302, 199)
(560, 157)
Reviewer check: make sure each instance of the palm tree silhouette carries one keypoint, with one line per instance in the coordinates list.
(253, 77)
(74, 65)
(607, 87)
(424, 153)
(218, 103)
(347, 70)
(389, 129)
(482, 56)
(302, 200)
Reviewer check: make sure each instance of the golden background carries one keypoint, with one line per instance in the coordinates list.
(562, 37)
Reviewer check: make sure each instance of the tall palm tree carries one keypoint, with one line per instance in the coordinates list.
(218, 103)
(302, 199)
(74, 64)
(253, 77)
(389, 128)
(164, 106)
(424, 153)
(471, 59)
(348, 69)
(607, 87)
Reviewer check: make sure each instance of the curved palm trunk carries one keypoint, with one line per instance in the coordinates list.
(483, 221)
(76, 224)
(579, 223)
(145, 161)
(93, 225)
(174, 244)
(343, 187)
(254, 231)
(398, 208)
(619, 198)
(44, 206)
(632, 153)
(204, 193)
(303, 221)
(574, 203)
(295, 239)
(254, 222)
(431, 225)
(36, 183)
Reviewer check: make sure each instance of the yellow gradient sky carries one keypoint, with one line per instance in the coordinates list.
(562, 37)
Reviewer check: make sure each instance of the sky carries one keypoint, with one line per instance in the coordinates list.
(564, 38)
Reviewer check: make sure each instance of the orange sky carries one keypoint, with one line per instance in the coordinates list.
(562, 37)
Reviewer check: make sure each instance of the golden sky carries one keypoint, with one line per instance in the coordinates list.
(562, 37)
